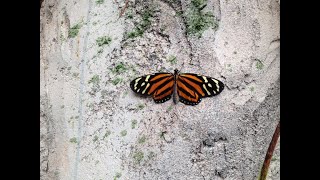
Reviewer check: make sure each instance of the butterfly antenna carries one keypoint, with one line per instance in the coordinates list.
(182, 66)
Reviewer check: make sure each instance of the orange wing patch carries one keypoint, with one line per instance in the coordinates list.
(165, 87)
(188, 99)
(185, 88)
(158, 76)
(191, 77)
(194, 85)
(156, 85)
(164, 91)
(157, 96)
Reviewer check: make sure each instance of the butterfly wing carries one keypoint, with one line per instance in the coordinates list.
(192, 87)
(159, 85)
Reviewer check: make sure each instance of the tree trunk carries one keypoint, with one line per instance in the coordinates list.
(94, 127)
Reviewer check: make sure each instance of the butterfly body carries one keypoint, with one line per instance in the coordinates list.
(175, 97)
(187, 88)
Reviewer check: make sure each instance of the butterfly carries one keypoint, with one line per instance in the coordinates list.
(188, 88)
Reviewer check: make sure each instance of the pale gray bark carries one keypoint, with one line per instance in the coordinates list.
(95, 128)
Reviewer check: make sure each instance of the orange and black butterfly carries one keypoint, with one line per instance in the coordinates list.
(189, 87)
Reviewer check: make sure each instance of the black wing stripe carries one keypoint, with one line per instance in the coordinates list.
(204, 92)
(186, 89)
(186, 99)
(186, 92)
(195, 75)
(142, 85)
(165, 91)
(190, 86)
(157, 80)
(159, 86)
(158, 77)
(210, 86)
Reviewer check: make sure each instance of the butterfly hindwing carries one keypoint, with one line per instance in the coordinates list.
(160, 85)
(164, 90)
(188, 99)
(188, 92)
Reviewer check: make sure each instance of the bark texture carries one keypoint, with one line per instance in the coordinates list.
(94, 127)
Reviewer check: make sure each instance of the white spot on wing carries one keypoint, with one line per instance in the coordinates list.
(217, 84)
(136, 83)
(205, 79)
(137, 80)
(146, 88)
(204, 87)
(147, 78)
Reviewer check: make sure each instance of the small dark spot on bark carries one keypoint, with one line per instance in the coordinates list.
(220, 137)
(221, 172)
(208, 142)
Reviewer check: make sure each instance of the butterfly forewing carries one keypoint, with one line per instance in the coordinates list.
(160, 85)
(193, 87)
